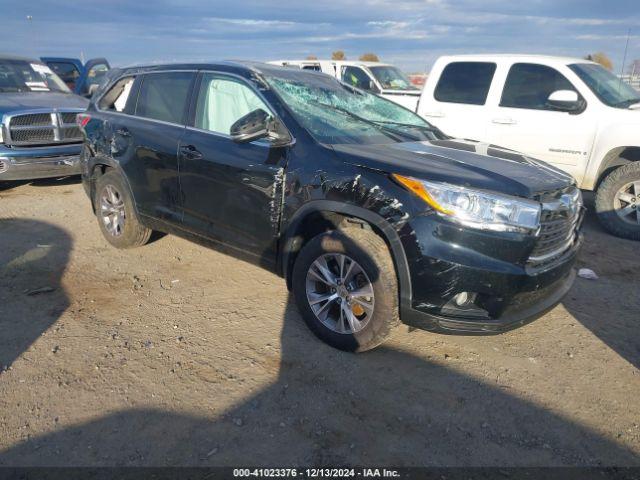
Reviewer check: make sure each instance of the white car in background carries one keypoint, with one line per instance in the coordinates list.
(380, 78)
(569, 112)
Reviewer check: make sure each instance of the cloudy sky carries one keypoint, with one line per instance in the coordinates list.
(409, 33)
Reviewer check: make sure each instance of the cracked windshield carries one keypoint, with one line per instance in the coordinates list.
(335, 113)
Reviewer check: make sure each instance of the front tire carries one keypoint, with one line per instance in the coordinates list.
(116, 214)
(346, 288)
(618, 201)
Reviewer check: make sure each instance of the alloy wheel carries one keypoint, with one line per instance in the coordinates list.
(627, 202)
(340, 293)
(112, 210)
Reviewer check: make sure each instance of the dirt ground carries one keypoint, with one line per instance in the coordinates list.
(174, 354)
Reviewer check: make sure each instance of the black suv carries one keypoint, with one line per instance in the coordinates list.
(372, 215)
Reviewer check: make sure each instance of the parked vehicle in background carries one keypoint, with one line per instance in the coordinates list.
(569, 112)
(81, 79)
(380, 78)
(38, 133)
(372, 215)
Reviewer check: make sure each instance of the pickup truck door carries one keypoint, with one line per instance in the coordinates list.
(93, 73)
(231, 192)
(523, 121)
(456, 96)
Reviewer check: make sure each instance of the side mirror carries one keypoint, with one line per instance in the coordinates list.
(252, 126)
(371, 86)
(259, 124)
(564, 101)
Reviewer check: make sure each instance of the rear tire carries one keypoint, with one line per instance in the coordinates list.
(618, 200)
(116, 214)
(372, 317)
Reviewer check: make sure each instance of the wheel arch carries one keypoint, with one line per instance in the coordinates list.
(614, 158)
(319, 216)
(98, 166)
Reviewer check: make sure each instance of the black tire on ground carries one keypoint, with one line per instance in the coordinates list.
(606, 197)
(372, 254)
(134, 234)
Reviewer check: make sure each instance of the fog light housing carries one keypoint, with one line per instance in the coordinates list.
(464, 304)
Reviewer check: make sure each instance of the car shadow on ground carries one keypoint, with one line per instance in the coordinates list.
(319, 411)
(30, 269)
(615, 289)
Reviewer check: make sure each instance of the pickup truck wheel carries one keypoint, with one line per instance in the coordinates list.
(345, 286)
(116, 215)
(618, 201)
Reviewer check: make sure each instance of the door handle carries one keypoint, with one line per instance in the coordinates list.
(504, 121)
(433, 114)
(190, 152)
(123, 132)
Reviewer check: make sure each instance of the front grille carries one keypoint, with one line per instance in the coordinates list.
(3, 166)
(42, 128)
(69, 117)
(559, 222)
(33, 119)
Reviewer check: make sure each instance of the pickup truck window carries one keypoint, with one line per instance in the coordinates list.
(223, 101)
(391, 78)
(465, 82)
(356, 77)
(606, 86)
(529, 85)
(163, 96)
(67, 71)
(96, 74)
(22, 76)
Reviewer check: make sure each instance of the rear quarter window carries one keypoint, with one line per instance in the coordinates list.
(117, 97)
(465, 82)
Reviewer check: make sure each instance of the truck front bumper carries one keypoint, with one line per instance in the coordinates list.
(40, 162)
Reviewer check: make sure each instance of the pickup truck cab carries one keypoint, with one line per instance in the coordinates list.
(39, 136)
(380, 78)
(569, 112)
(81, 79)
(372, 215)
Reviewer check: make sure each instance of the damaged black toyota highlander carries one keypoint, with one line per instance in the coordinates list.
(373, 216)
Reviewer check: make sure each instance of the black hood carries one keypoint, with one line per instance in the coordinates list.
(12, 102)
(460, 162)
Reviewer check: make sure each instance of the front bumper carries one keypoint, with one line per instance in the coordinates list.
(39, 162)
(491, 268)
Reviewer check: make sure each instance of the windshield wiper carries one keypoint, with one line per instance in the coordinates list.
(390, 132)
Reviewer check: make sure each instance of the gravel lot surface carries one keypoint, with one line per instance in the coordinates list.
(174, 354)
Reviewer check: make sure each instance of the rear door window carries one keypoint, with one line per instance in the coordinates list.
(529, 85)
(465, 82)
(164, 96)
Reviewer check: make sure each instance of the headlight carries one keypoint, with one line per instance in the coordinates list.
(1, 133)
(474, 208)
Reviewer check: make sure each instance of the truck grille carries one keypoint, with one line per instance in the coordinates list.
(559, 224)
(42, 128)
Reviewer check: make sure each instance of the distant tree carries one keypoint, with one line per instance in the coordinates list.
(311, 57)
(600, 58)
(369, 57)
(338, 55)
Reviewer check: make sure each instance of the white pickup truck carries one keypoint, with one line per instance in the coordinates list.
(569, 112)
(383, 79)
